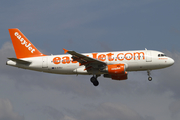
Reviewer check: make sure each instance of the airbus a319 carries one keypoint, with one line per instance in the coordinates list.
(113, 65)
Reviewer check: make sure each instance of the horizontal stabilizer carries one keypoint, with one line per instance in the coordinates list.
(19, 61)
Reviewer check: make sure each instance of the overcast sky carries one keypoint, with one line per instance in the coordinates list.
(90, 26)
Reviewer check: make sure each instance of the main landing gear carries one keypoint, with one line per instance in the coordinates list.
(94, 80)
(149, 73)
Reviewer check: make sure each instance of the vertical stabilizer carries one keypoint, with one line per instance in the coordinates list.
(22, 46)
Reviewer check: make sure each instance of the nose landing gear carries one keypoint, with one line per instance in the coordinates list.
(149, 73)
(150, 78)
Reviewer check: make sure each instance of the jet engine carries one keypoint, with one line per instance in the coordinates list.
(116, 72)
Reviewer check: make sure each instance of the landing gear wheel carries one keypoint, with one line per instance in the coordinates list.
(150, 78)
(94, 81)
(149, 73)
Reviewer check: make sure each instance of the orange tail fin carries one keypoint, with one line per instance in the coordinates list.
(22, 46)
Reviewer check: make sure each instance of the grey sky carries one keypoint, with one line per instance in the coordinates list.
(89, 26)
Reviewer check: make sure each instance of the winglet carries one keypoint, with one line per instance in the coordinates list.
(65, 51)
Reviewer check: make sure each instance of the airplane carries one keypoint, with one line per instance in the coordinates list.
(114, 65)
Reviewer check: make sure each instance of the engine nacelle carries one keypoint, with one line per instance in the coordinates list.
(116, 77)
(116, 69)
(119, 77)
(116, 72)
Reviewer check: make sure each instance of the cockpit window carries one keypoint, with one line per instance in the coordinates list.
(161, 55)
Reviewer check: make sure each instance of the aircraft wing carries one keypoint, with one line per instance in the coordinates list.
(85, 60)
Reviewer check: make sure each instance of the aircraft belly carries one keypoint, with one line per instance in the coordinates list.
(138, 66)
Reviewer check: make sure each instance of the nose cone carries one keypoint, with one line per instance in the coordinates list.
(170, 61)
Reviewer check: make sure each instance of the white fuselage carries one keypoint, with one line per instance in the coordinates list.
(141, 60)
